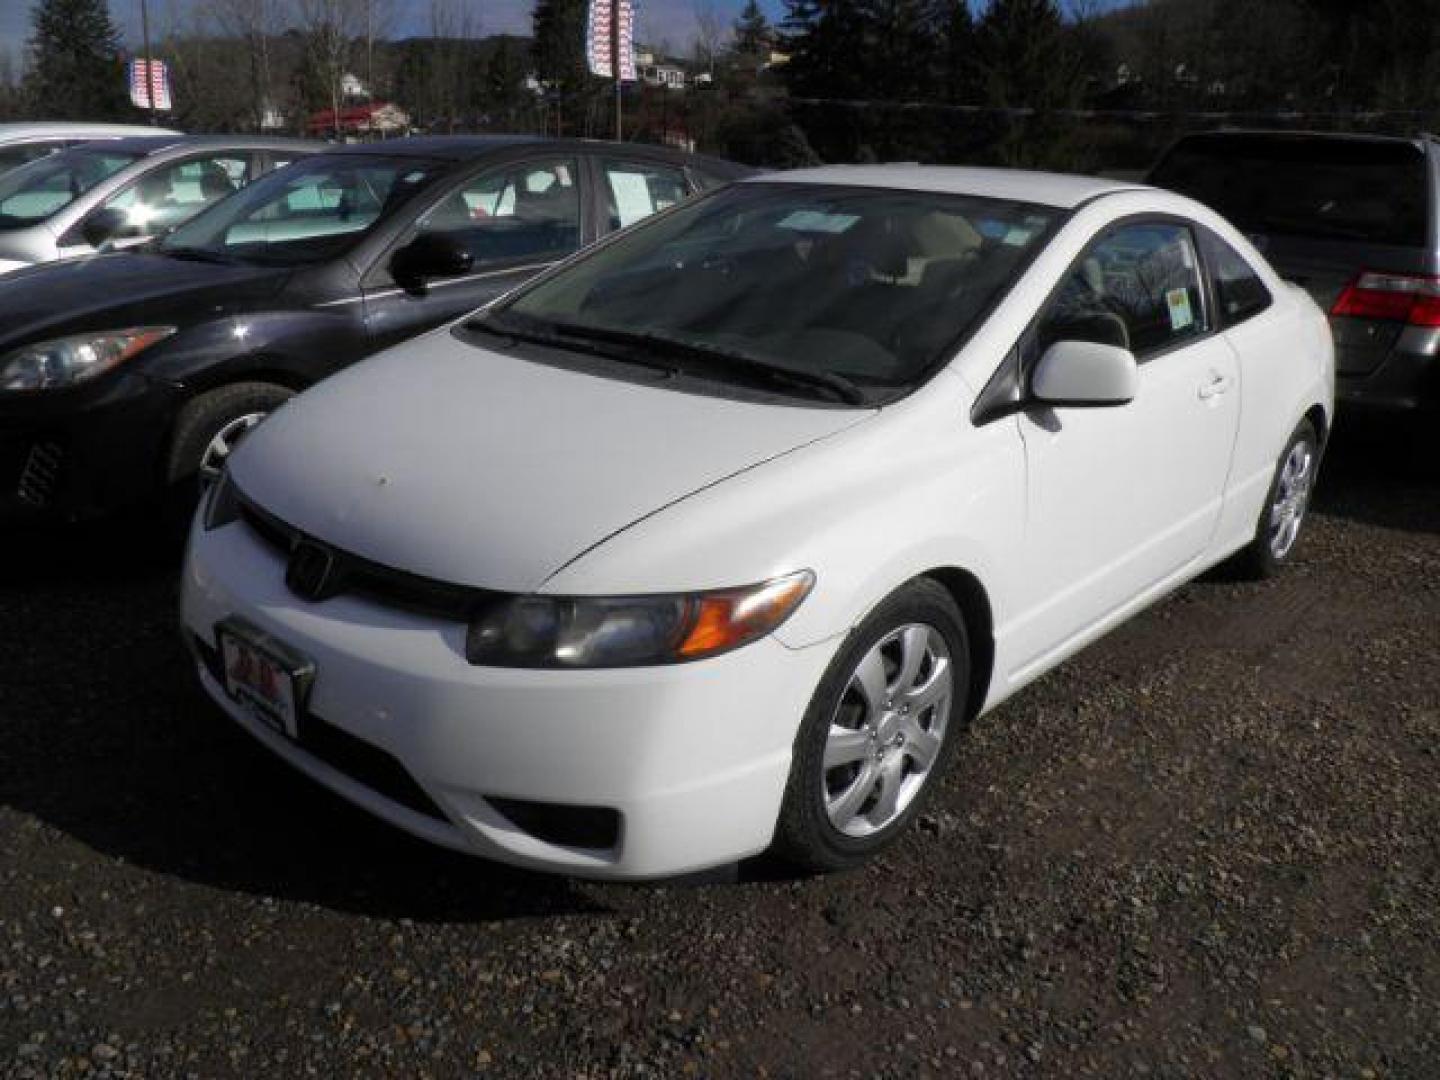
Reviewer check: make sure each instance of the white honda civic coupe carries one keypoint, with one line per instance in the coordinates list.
(714, 538)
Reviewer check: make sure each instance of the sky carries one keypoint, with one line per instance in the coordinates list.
(667, 21)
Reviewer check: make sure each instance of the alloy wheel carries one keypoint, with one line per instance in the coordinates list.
(887, 731)
(1292, 498)
(223, 444)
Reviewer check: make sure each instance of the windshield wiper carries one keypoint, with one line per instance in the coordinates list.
(559, 337)
(720, 358)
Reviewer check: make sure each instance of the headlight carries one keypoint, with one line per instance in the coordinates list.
(70, 360)
(628, 631)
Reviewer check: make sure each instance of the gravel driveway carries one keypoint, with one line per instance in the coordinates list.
(1208, 846)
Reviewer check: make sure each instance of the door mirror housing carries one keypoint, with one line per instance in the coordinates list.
(1085, 374)
(104, 225)
(429, 255)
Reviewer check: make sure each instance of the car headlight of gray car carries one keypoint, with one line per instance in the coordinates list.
(73, 359)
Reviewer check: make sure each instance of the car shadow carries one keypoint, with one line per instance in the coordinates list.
(1383, 470)
(105, 736)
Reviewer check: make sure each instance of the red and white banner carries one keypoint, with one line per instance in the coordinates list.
(597, 38)
(150, 79)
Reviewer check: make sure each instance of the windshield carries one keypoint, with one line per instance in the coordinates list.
(870, 286)
(311, 211)
(41, 189)
(1345, 189)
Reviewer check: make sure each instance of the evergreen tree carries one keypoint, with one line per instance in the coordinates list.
(1024, 56)
(1028, 59)
(753, 38)
(76, 72)
(559, 52)
(952, 28)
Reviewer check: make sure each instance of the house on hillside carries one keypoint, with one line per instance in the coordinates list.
(656, 70)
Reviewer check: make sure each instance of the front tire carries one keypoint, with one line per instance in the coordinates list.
(1278, 531)
(878, 731)
(213, 424)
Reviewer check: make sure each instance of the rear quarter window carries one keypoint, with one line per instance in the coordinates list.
(1341, 189)
(1239, 292)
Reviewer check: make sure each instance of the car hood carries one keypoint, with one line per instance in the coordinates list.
(457, 463)
(122, 289)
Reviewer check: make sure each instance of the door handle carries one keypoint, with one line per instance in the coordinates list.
(1217, 385)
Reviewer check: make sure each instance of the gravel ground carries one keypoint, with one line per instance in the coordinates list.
(1208, 846)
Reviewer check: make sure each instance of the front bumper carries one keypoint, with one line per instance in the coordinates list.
(689, 761)
(79, 453)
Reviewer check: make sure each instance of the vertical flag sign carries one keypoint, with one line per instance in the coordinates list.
(598, 38)
(150, 82)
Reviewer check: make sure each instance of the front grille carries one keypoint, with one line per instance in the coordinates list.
(40, 474)
(363, 762)
(355, 574)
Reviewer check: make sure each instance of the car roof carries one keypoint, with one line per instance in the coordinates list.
(42, 129)
(469, 147)
(153, 144)
(1264, 135)
(1059, 190)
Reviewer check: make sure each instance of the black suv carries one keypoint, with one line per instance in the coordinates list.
(128, 374)
(1353, 219)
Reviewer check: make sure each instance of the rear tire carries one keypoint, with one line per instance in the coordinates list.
(1277, 532)
(878, 731)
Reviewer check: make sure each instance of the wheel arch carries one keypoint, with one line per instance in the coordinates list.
(1320, 422)
(974, 603)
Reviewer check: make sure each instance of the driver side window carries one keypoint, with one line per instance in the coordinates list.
(527, 210)
(1138, 288)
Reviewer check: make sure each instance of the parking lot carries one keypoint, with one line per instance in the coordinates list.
(1208, 846)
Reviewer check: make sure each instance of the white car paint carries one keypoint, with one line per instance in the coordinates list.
(559, 496)
(447, 460)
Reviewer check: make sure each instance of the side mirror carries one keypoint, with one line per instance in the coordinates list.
(103, 225)
(1084, 373)
(430, 255)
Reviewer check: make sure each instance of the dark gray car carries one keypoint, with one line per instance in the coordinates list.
(1353, 219)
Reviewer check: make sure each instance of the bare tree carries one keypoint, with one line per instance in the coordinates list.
(454, 24)
(711, 32)
(256, 22)
(379, 23)
(331, 29)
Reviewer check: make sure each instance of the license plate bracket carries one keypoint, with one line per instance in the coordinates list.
(264, 675)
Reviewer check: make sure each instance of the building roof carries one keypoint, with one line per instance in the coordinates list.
(351, 114)
(1045, 189)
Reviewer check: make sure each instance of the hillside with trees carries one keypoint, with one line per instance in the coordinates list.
(1022, 82)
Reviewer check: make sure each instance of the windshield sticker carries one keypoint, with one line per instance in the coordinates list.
(1016, 237)
(818, 221)
(1181, 317)
(412, 178)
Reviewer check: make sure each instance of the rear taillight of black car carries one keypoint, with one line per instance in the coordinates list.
(1407, 298)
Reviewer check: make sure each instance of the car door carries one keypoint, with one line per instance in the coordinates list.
(1123, 500)
(166, 196)
(514, 220)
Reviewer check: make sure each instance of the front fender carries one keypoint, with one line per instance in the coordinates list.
(305, 345)
(912, 490)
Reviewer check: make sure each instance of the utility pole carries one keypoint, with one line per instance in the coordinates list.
(149, 69)
(616, 6)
